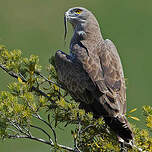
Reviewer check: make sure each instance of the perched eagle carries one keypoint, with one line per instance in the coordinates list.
(93, 73)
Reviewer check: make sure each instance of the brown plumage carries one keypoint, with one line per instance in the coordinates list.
(93, 73)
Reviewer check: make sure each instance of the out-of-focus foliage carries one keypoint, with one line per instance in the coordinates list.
(148, 114)
(31, 93)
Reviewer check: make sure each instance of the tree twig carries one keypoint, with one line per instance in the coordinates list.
(42, 141)
(36, 127)
(86, 128)
(16, 76)
(79, 130)
(46, 79)
(18, 128)
(48, 124)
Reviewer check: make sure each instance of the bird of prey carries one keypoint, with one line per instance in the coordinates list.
(93, 74)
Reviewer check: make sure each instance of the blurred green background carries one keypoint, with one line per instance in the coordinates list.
(36, 27)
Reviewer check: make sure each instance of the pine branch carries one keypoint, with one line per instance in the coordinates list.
(16, 76)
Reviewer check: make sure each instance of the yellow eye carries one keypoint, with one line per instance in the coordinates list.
(78, 11)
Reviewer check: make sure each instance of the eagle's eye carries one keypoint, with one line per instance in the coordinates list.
(78, 11)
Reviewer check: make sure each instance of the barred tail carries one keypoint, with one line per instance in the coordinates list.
(121, 127)
(119, 124)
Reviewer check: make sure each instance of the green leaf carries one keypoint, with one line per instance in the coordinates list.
(133, 110)
(135, 118)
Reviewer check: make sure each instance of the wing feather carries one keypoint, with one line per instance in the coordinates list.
(113, 75)
(104, 67)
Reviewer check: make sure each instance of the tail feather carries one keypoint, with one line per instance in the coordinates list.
(121, 128)
(119, 124)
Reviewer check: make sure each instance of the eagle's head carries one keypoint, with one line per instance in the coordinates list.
(77, 15)
(81, 19)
